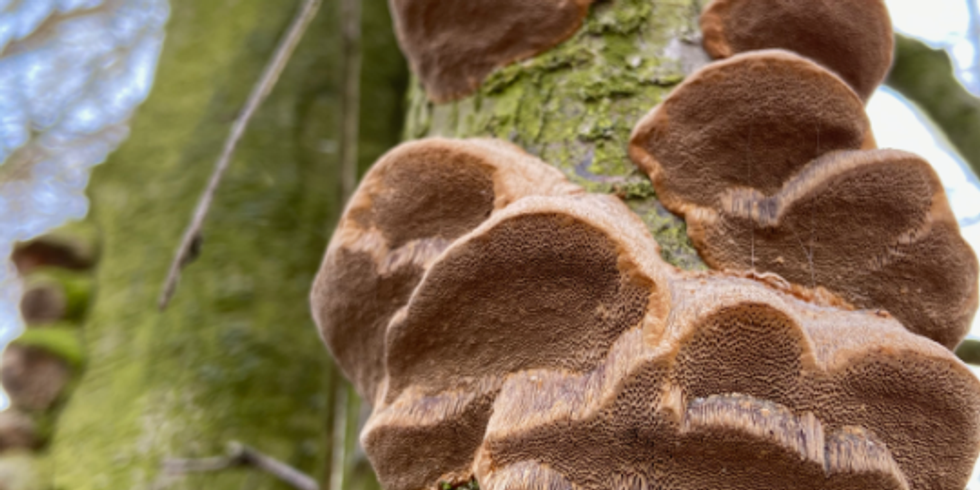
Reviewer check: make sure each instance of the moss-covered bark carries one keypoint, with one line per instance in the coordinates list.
(926, 77)
(236, 355)
(575, 105)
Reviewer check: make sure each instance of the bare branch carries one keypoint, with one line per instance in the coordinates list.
(338, 464)
(239, 455)
(925, 76)
(351, 16)
(192, 235)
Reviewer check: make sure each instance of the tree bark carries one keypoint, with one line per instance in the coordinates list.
(575, 105)
(236, 355)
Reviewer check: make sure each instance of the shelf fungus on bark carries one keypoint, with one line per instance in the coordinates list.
(873, 226)
(545, 344)
(415, 201)
(852, 38)
(453, 45)
(758, 153)
(751, 120)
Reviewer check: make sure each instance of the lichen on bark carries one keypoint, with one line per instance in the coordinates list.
(575, 105)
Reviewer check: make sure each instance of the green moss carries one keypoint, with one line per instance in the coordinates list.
(670, 232)
(77, 288)
(471, 484)
(61, 340)
(575, 105)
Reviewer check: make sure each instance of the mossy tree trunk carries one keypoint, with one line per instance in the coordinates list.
(236, 355)
(575, 105)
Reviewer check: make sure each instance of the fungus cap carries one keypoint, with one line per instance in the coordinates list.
(872, 226)
(851, 38)
(415, 201)
(453, 45)
(752, 120)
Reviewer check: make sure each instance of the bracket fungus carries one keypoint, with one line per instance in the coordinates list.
(751, 120)
(873, 226)
(508, 327)
(415, 201)
(762, 155)
(852, 38)
(453, 45)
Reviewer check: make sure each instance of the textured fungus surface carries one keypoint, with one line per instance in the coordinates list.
(852, 38)
(873, 226)
(752, 120)
(549, 346)
(414, 202)
(454, 45)
(760, 154)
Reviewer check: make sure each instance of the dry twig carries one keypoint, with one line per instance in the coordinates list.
(192, 235)
(351, 14)
(239, 455)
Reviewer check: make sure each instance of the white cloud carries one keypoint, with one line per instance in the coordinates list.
(940, 22)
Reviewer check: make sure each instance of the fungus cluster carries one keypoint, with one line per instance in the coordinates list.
(770, 159)
(507, 326)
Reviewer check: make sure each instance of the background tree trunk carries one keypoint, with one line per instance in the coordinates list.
(236, 356)
(926, 77)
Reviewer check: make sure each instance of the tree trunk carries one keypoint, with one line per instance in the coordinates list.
(575, 105)
(236, 355)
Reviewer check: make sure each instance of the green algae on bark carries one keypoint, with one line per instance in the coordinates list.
(575, 105)
(236, 355)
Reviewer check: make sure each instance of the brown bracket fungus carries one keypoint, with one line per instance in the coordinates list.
(453, 45)
(852, 38)
(544, 344)
(412, 204)
(872, 226)
(753, 152)
(752, 120)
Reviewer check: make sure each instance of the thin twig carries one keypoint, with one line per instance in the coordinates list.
(192, 235)
(239, 455)
(350, 104)
(338, 465)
